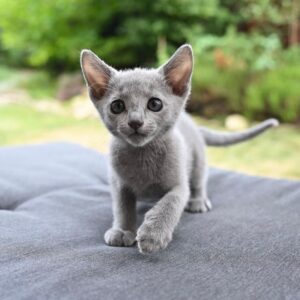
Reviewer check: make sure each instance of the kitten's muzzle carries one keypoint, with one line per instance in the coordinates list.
(135, 124)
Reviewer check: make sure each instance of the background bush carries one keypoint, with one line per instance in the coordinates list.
(247, 52)
(247, 73)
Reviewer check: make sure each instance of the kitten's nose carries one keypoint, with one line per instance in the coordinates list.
(135, 124)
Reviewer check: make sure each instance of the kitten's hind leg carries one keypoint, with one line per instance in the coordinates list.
(199, 202)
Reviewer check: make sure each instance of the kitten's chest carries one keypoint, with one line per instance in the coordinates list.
(140, 168)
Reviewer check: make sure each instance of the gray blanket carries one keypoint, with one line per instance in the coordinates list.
(55, 207)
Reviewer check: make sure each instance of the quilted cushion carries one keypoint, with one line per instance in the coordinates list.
(55, 207)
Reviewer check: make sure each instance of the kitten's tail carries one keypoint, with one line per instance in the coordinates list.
(215, 138)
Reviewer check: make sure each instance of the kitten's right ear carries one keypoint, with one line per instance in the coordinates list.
(178, 70)
(96, 73)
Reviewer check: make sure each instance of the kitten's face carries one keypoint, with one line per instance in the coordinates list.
(139, 105)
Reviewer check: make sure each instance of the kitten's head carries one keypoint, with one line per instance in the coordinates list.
(141, 104)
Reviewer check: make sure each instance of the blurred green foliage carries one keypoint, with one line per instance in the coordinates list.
(125, 33)
(275, 92)
(247, 51)
(248, 73)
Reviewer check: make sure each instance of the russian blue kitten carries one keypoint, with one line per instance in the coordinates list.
(157, 151)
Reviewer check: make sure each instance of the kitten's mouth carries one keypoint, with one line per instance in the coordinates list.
(137, 138)
(137, 134)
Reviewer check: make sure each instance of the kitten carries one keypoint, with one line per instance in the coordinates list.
(157, 150)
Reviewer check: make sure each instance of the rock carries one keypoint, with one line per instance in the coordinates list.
(236, 122)
(69, 85)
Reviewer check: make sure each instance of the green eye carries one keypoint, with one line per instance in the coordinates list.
(155, 104)
(117, 106)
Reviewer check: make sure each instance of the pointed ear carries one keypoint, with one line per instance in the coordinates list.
(178, 70)
(96, 73)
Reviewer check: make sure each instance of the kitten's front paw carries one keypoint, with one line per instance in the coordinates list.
(198, 205)
(119, 238)
(150, 239)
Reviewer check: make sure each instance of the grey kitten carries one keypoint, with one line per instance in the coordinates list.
(157, 151)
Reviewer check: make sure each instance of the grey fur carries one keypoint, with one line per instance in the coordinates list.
(164, 159)
(215, 138)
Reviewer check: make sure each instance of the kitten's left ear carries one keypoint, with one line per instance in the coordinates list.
(178, 70)
(96, 73)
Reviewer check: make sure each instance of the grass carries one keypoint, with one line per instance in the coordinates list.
(24, 124)
(29, 121)
(274, 154)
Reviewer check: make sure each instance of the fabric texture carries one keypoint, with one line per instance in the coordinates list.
(55, 207)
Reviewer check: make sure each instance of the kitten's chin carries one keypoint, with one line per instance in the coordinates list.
(137, 140)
